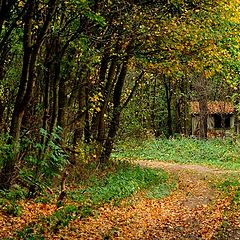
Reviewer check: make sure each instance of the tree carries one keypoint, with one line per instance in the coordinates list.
(82, 62)
(31, 43)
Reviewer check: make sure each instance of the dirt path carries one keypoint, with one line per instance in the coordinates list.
(195, 211)
(175, 167)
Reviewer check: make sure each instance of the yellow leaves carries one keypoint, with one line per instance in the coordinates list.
(96, 98)
(31, 212)
(209, 73)
(21, 4)
(233, 13)
(98, 109)
(96, 101)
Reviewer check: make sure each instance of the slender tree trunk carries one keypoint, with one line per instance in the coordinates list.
(25, 90)
(111, 78)
(169, 100)
(114, 125)
(8, 171)
(5, 8)
(87, 130)
(102, 75)
(203, 107)
(80, 125)
(56, 84)
(153, 106)
(55, 106)
(61, 103)
(2, 108)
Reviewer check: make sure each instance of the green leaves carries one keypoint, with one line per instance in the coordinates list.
(45, 159)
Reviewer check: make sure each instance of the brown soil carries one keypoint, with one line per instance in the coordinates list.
(175, 167)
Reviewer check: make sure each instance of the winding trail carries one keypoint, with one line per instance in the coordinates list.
(175, 167)
(196, 210)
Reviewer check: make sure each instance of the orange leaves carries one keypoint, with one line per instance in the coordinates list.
(31, 212)
(194, 211)
(184, 214)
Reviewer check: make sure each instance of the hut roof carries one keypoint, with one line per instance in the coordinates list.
(213, 107)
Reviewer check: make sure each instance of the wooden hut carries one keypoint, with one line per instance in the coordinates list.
(220, 120)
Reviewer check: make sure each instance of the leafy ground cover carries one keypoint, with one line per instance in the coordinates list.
(215, 152)
(203, 205)
(153, 200)
(42, 219)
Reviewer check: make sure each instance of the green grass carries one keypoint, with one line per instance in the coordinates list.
(119, 182)
(119, 185)
(216, 152)
(231, 185)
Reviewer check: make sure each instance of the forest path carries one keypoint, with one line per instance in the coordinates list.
(196, 210)
(176, 167)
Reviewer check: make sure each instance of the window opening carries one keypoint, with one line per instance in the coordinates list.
(221, 121)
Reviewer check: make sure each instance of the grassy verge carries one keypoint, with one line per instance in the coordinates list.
(230, 226)
(231, 187)
(119, 185)
(216, 152)
(85, 199)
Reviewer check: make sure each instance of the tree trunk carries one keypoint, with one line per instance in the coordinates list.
(153, 108)
(56, 84)
(102, 75)
(25, 90)
(203, 107)
(114, 125)
(2, 108)
(87, 130)
(169, 100)
(112, 73)
(5, 8)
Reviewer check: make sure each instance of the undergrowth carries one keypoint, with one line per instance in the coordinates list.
(9, 201)
(229, 229)
(221, 153)
(231, 186)
(105, 186)
(119, 185)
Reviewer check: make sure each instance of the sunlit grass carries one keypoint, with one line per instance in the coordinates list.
(216, 152)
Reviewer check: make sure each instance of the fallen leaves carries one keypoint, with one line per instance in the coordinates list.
(170, 218)
(31, 212)
(194, 211)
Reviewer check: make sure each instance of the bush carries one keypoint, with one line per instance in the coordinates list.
(231, 185)
(43, 161)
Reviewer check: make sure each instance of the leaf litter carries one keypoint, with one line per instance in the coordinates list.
(196, 210)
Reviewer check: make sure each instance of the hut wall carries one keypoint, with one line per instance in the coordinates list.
(210, 122)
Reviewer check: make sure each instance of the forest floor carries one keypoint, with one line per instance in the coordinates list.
(196, 209)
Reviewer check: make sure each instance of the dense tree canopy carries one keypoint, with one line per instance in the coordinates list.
(72, 72)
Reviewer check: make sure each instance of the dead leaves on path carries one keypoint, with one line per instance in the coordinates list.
(152, 219)
(194, 211)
